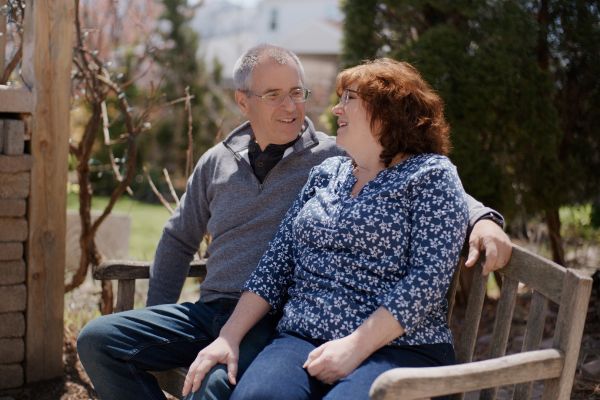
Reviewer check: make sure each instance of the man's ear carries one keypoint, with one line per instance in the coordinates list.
(242, 101)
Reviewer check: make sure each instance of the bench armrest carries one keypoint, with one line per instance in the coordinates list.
(423, 383)
(128, 269)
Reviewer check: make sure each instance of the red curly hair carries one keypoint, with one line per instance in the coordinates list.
(405, 112)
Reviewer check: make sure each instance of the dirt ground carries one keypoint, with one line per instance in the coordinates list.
(75, 384)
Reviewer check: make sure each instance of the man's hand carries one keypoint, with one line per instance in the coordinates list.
(487, 235)
(221, 351)
(334, 360)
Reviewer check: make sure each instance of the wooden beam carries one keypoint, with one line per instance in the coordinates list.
(15, 100)
(3, 22)
(47, 52)
(129, 269)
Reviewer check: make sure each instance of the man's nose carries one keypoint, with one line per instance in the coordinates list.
(288, 103)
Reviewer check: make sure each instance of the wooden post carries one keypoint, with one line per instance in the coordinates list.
(47, 52)
(3, 21)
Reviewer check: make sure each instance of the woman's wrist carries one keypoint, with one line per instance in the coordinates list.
(232, 336)
(363, 344)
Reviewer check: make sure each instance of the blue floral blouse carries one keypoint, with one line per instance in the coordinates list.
(336, 258)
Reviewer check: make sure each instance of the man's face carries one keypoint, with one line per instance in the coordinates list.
(273, 124)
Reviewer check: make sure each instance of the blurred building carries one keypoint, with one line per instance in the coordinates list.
(310, 28)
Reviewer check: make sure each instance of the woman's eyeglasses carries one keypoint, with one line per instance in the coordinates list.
(345, 97)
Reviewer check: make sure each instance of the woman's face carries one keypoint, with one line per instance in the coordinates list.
(354, 132)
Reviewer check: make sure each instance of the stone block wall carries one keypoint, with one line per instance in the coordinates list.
(15, 174)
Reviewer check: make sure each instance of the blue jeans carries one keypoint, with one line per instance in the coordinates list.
(118, 350)
(277, 372)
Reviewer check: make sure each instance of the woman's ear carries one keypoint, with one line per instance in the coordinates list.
(242, 101)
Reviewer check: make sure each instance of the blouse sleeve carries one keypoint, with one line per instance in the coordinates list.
(439, 218)
(274, 272)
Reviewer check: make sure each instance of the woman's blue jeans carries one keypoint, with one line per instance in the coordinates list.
(277, 372)
(118, 350)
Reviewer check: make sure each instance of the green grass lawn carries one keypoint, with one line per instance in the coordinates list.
(147, 221)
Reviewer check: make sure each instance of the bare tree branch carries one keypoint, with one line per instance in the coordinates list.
(189, 155)
(12, 64)
(171, 187)
(108, 143)
(155, 190)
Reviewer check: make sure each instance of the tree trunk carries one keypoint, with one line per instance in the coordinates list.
(553, 223)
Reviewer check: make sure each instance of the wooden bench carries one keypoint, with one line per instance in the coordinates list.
(555, 366)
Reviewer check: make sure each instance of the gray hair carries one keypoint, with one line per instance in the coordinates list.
(244, 66)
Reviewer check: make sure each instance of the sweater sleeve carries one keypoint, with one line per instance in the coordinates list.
(275, 270)
(477, 211)
(180, 240)
(438, 219)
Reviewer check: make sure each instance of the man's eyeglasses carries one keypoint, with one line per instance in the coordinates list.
(276, 97)
(345, 97)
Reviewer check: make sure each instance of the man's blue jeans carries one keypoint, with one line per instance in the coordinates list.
(118, 350)
(277, 372)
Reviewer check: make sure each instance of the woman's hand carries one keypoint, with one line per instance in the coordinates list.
(334, 360)
(221, 351)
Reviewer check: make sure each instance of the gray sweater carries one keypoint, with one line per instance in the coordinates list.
(225, 199)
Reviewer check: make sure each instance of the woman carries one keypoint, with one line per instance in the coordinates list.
(363, 259)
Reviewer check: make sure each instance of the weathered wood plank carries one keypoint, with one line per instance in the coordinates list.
(125, 295)
(533, 336)
(13, 298)
(468, 335)
(172, 380)
(15, 100)
(125, 269)
(568, 332)
(12, 272)
(451, 295)
(12, 207)
(47, 57)
(502, 323)
(14, 164)
(12, 325)
(14, 186)
(419, 383)
(11, 376)
(536, 272)
(12, 350)
(3, 22)
(11, 251)
(13, 229)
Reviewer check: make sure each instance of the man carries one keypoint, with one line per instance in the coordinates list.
(239, 191)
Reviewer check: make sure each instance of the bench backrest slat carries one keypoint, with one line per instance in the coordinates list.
(502, 324)
(568, 332)
(466, 338)
(533, 337)
(125, 295)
